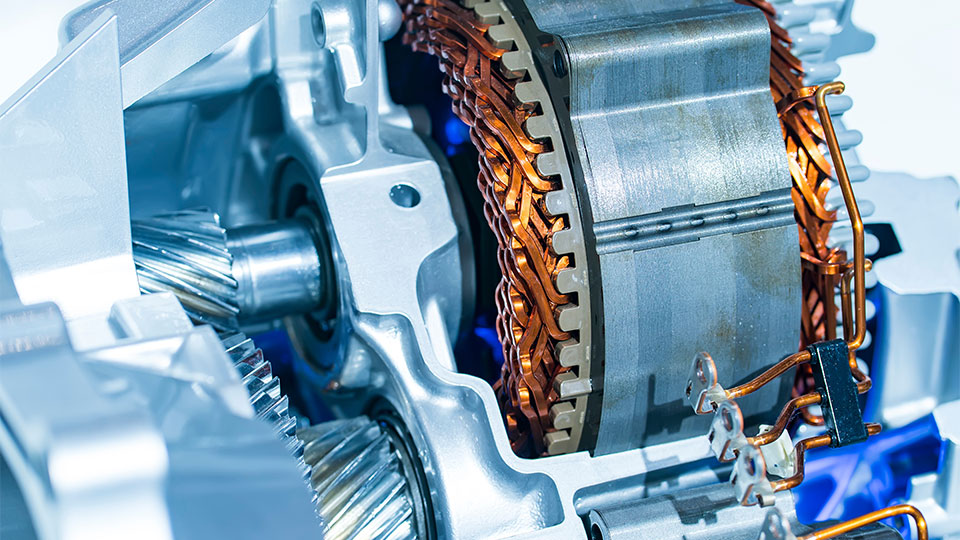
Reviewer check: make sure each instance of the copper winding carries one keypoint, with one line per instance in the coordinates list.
(514, 192)
(769, 375)
(872, 517)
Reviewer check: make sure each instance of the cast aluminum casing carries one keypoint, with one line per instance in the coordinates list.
(398, 319)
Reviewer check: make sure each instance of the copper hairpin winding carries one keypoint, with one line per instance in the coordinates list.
(514, 192)
(514, 205)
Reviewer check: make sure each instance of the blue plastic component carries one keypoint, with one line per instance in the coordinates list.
(843, 483)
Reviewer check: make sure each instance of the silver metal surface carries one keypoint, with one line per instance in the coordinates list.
(400, 289)
(153, 432)
(230, 277)
(361, 487)
(277, 268)
(920, 294)
(937, 494)
(63, 458)
(687, 185)
(151, 436)
(8, 292)
(158, 40)
(186, 253)
(66, 229)
(776, 527)
(268, 401)
(702, 513)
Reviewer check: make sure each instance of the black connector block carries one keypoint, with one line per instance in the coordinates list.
(839, 399)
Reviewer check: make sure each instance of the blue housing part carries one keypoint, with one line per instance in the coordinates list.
(843, 483)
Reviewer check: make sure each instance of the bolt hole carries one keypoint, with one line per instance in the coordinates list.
(595, 532)
(559, 65)
(404, 196)
(700, 374)
(316, 23)
(727, 419)
(689, 388)
(751, 467)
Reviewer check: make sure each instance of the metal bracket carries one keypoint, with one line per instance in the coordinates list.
(726, 432)
(703, 391)
(749, 478)
(775, 527)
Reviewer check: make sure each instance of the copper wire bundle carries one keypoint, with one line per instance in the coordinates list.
(821, 265)
(514, 206)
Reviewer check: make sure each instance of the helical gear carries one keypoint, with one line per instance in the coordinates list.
(185, 252)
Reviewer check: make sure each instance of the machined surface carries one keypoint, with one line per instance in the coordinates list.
(399, 318)
(157, 41)
(937, 495)
(186, 253)
(670, 165)
(362, 490)
(151, 436)
(66, 230)
(701, 513)
(277, 268)
(398, 314)
(921, 301)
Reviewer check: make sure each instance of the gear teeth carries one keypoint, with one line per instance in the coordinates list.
(548, 164)
(809, 47)
(570, 318)
(500, 36)
(568, 385)
(558, 442)
(558, 203)
(526, 95)
(486, 12)
(839, 104)
(807, 43)
(356, 473)
(186, 253)
(516, 63)
(564, 241)
(819, 73)
(792, 15)
(529, 94)
(269, 402)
